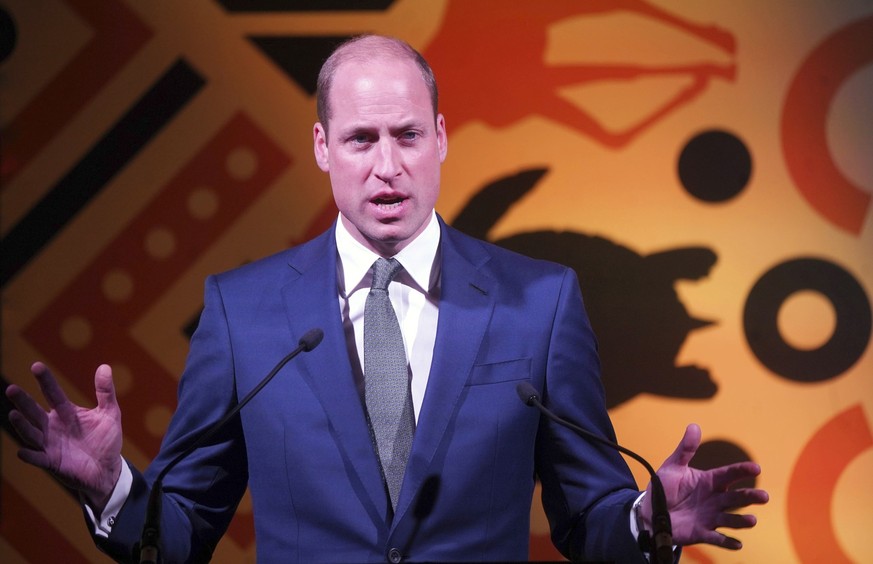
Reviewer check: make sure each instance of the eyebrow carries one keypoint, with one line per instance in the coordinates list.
(357, 128)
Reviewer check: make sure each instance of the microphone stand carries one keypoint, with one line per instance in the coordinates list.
(661, 543)
(151, 531)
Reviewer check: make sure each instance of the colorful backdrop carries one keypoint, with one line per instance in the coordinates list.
(704, 165)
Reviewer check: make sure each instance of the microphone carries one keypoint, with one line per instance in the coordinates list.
(151, 531)
(661, 543)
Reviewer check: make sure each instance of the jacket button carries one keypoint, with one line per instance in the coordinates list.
(395, 556)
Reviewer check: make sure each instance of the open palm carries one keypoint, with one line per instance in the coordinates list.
(80, 447)
(701, 501)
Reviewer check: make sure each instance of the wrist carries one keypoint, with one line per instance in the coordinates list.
(640, 527)
(643, 513)
(98, 497)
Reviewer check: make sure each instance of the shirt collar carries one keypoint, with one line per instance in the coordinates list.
(418, 259)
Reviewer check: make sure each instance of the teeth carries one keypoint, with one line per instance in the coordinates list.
(387, 205)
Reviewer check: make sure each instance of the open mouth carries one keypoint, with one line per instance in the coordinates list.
(388, 203)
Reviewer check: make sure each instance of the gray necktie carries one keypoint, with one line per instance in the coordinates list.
(386, 379)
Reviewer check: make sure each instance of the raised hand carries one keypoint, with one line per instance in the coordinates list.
(81, 447)
(700, 501)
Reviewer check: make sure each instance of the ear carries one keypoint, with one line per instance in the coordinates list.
(319, 145)
(442, 137)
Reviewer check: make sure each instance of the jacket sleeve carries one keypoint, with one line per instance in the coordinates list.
(588, 489)
(202, 492)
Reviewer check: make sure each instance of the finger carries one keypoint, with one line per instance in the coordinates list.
(724, 541)
(735, 499)
(29, 434)
(37, 458)
(27, 406)
(735, 521)
(724, 476)
(53, 392)
(687, 447)
(104, 388)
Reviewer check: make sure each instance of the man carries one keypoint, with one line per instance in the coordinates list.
(475, 320)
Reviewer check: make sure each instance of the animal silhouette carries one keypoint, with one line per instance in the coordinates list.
(510, 78)
(631, 299)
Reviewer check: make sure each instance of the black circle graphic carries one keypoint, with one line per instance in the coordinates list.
(853, 320)
(8, 34)
(715, 166)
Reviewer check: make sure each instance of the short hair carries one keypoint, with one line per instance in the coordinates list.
(367, 48)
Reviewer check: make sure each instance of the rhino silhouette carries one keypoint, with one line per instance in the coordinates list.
(631, 299)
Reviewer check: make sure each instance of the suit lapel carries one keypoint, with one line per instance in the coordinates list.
(311, 300)
(465, 308)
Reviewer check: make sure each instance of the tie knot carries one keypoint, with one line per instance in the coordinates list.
(384, 271)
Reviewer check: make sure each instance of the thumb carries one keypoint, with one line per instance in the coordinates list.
(104, 388)
(687, 447)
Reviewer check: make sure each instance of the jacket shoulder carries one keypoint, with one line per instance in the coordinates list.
(488, 256)
(282, 264)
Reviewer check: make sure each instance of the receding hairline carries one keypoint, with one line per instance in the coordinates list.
(367, 48)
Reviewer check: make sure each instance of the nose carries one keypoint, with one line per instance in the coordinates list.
(387, 166)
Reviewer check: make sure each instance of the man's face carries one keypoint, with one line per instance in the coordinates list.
(384, 151)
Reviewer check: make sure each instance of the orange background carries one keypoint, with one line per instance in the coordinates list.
(104, 259)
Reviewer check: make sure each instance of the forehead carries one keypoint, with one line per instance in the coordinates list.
(378, 85)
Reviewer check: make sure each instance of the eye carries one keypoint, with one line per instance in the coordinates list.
(361, 139)
(409, 136)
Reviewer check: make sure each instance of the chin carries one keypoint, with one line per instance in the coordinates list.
(390, 240)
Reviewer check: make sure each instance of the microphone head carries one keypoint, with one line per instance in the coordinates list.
(527, 393)
(311, 338)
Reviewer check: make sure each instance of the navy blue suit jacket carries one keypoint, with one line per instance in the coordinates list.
(303, 446)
